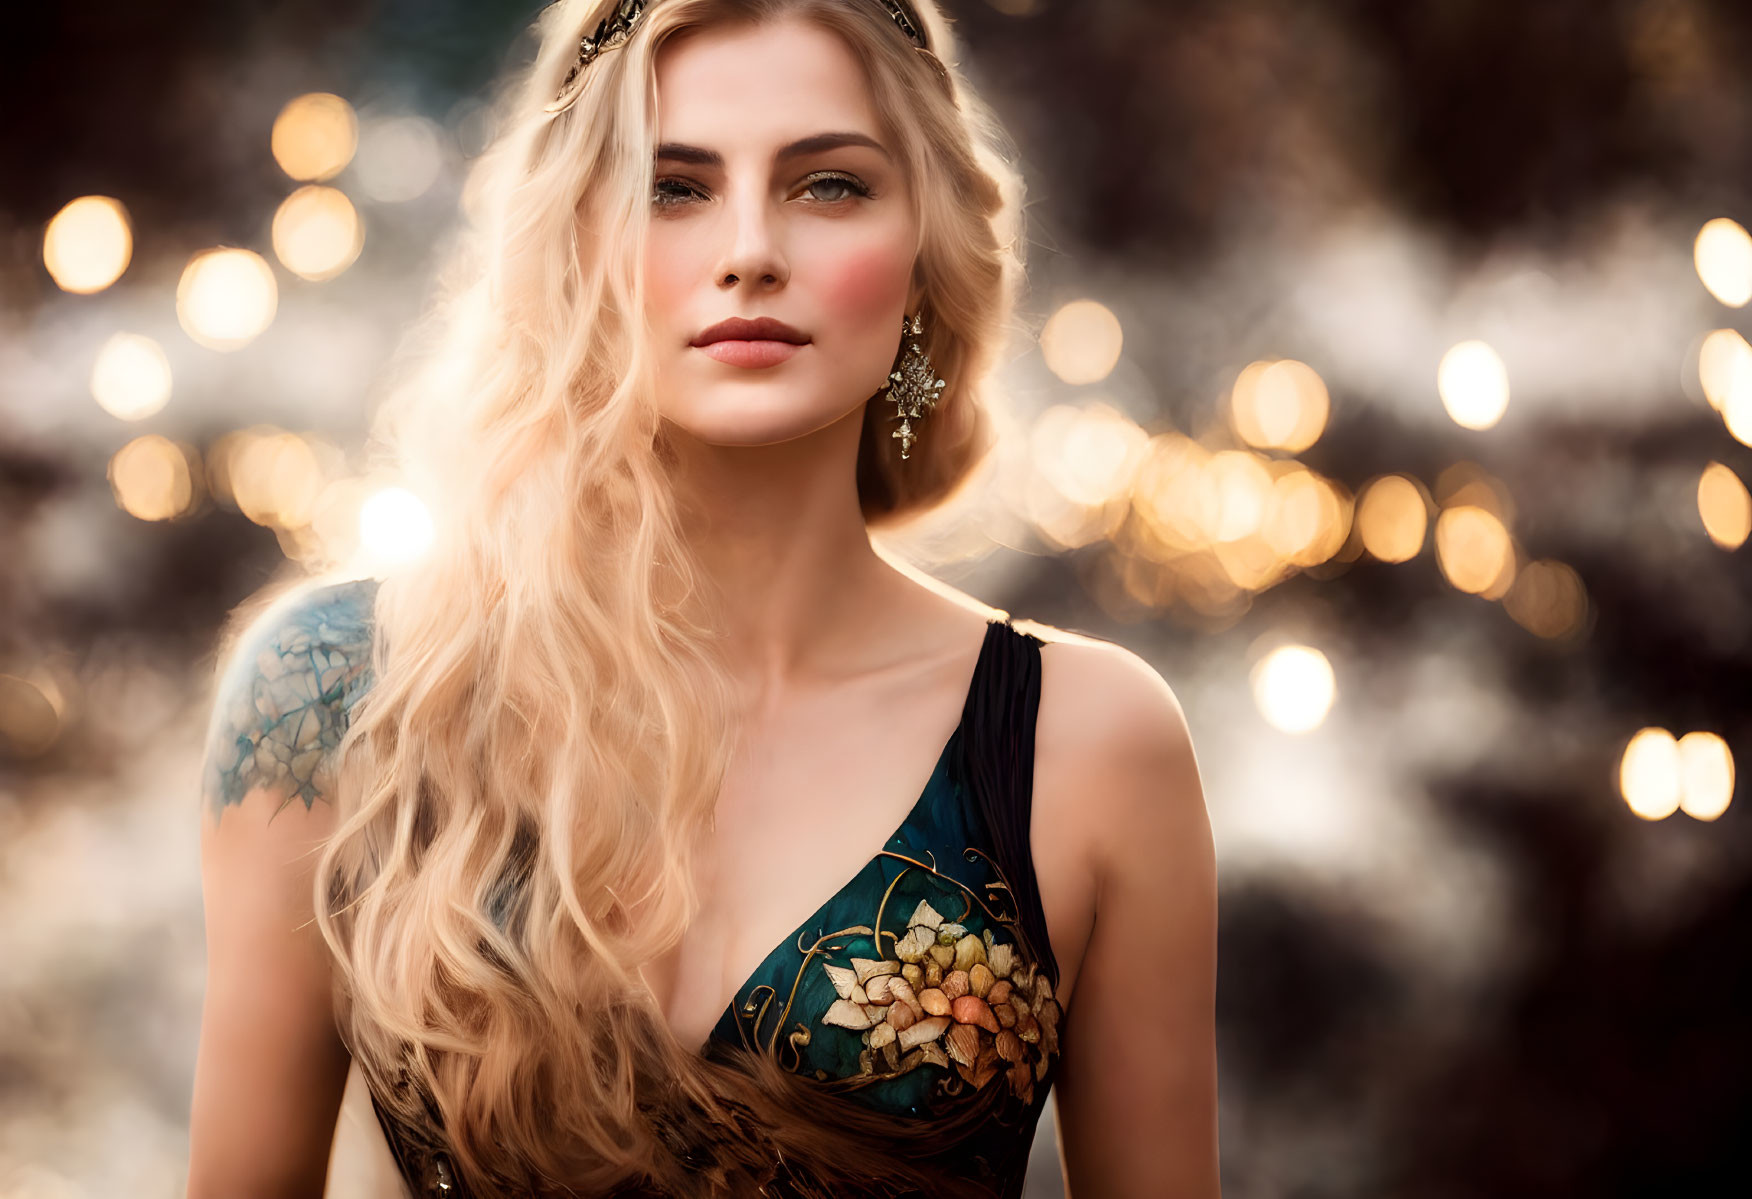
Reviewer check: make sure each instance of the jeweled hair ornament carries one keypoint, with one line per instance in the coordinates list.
(614, 29)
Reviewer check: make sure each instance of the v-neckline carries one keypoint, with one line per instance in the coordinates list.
(937, 766)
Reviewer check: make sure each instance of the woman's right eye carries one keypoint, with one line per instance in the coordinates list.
(670, 192)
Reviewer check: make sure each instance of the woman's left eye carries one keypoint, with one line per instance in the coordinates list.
(851, 184)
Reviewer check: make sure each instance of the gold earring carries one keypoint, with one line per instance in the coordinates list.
(913, 385)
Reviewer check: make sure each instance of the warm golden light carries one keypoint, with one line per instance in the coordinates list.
(1294, 688)
(1737, 414)
(151, 479)
(1706, 775)
(1466, 482)
(88, 244)
(1065, 524)
(219, 459)
(226, 297)
(394, 525)
(1281, 405)
(1474, 550)
(1392, 518)
(1252, 563)
(274, 479)
(1081, 342)
(1089, 453)
(1724, 367)
(131, 378)
(1648, 774)
(1310, 517)
(314, 136)
(317, 233)
(1725, 506)
(334, 523)
(1243, 493)
(1171, 496)
(1548, 600)
(1473, 384)
(1723, 255)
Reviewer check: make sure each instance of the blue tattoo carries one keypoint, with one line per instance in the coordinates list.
(285, 700)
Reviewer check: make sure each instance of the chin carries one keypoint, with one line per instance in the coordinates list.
(748, 419)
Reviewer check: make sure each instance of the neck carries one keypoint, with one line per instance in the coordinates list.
(778, 530)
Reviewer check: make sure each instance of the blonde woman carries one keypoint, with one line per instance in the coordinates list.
(654, 835)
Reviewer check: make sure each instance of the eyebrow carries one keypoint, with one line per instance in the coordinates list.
(698, 156)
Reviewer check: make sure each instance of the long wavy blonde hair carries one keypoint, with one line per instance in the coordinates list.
(522, 788)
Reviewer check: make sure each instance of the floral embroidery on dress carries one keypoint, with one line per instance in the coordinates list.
(952, 997)
(941, 994)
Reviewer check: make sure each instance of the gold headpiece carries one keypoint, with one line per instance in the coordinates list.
(614, 29)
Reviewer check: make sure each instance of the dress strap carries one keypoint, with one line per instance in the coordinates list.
(994, 759)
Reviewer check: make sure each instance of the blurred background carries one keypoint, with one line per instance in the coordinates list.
(1390, 395)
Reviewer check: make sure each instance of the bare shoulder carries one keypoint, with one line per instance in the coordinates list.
(1113, 746)
(1105, 698)
(287, 683)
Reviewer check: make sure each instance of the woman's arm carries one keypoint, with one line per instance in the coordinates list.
(1137, 1092)
(270, 1069)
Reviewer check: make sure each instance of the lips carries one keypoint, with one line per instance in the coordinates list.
(763, 328)
(756, 343)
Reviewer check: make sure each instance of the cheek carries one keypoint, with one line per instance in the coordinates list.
(867, 285)
(668, 266)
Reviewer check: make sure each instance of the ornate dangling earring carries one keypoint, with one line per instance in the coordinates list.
(913, 385)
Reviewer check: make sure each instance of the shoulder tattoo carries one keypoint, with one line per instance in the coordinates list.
(284, 701)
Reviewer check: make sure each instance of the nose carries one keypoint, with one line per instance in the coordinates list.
(753, 253)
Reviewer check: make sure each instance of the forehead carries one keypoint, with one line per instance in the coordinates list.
(754, 85)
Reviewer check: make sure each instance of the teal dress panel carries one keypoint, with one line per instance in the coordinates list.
(936, 909)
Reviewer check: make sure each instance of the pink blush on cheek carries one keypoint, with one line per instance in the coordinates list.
(865, 283)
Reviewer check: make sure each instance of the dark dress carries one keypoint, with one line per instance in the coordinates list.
(945, 920)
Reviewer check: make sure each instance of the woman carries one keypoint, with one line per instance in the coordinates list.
(543, 833)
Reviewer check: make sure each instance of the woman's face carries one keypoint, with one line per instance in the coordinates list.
(776, 196)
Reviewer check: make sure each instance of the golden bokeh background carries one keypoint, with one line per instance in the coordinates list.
(1383, 379)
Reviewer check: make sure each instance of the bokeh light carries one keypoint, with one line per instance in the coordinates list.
(1474, 550)
(1723, 256)
(1548, 599)
(272, 476)
(1724, 368)
(1706, 775)
(1725, 506)
(399, 158)
(131, 378)
(1648, 774)
(1281, 405)
(1294, 688)
(154, 478)
(1089, 453)
(1737, 412)
(315, 136)
(1473, 384)
(1310, 516)
(88, 244)
(226, 297)
(1241, 488)
(1659, 775)
(317, 233)
(1392, 518)
(395, 525)
(1081, 342)
(1169, 494)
